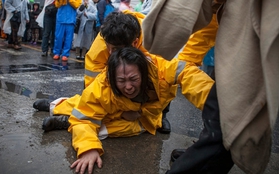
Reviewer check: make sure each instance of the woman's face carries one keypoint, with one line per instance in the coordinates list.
(128, 80)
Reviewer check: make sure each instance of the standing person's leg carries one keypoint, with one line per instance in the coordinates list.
(37, 34)
(46, 35)
(208, 154)
(83, 52)
(15, 26)
(10, 39)
(52, 37)
(77, 52)
(33, 35)
(69, 33)
(59, 39)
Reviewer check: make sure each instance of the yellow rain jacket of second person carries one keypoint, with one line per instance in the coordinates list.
(98, 106)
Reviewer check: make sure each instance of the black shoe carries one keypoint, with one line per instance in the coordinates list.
(56, 123)
(166, 127)
(176, 153)
(42, 105)
(44, 54)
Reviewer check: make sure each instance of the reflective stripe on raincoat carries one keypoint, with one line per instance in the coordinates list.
(199, 43)
(98, 105)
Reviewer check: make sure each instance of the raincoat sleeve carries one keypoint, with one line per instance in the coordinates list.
(91, 12)
(195, 84)
(96, 60)
(40, 18)
(60, 3)
(200, 43)
(8, 6)
(25, 11)
(86, 118)
(79, 13)
(75, 3)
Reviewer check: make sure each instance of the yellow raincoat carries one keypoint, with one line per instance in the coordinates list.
(200, 43)
(97, 57)
(98, 107)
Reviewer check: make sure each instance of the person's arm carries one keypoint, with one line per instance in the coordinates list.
(87, 159)
(91, 12)
(96, 60)
(86, 118)
(9, 7)
(58, 3)
(85, 122)
(80, 10)
(195, 84)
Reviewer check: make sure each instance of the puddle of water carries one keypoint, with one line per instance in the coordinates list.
(56, 65)
(21, 90)
(23, 153)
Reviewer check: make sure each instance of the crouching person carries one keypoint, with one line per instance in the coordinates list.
(126, 99)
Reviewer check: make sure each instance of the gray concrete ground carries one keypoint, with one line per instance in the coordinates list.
(24, 148)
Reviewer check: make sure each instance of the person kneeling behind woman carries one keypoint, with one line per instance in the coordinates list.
(125, 99)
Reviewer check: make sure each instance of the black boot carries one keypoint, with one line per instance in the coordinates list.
(176, 153)
(56, 123)
(42, 105)
(166, 127)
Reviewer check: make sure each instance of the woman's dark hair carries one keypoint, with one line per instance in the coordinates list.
(120, 29)
(128, 56)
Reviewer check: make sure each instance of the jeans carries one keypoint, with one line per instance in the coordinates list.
(48, 33)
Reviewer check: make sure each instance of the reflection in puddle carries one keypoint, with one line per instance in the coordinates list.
(18, 89)
(21, 90)
(56, 65)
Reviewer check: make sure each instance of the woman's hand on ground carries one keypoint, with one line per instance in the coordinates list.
(87, 161)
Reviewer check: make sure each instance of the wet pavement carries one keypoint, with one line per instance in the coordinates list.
(25, 76)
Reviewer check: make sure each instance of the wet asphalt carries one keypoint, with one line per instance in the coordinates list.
(25, 76)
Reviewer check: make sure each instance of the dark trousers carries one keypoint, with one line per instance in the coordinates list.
(166, 110)
(48, 33)
(208, 154)
(13, 37)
